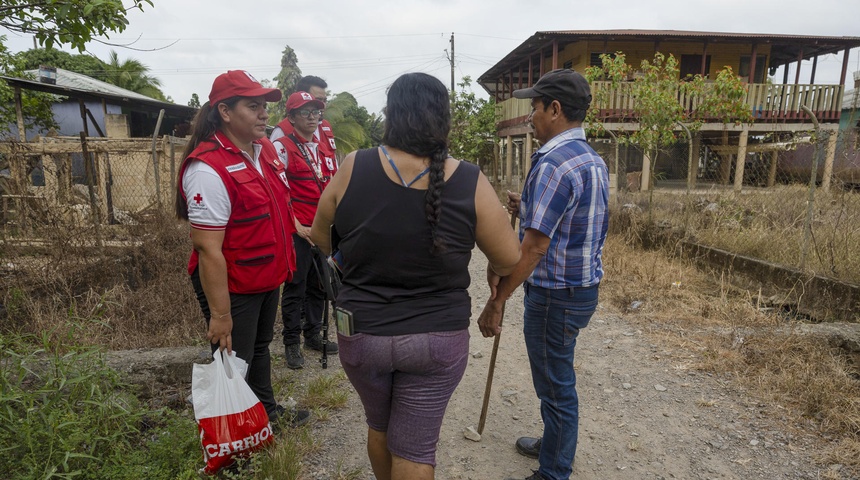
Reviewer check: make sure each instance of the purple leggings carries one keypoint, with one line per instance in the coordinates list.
(405, 382)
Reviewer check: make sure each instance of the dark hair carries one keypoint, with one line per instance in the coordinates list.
(205, 124)
(417, 121)
(572, 114)
(305, 83)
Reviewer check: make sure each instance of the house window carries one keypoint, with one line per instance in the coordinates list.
(691, 65)
(760, 65)
(595, 61)
(568, 65)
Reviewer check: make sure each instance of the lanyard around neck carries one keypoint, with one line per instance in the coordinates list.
(403, 182)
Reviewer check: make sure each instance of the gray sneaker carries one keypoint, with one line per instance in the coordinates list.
(295, 360)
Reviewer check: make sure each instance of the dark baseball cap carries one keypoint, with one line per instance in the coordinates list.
(568, 87)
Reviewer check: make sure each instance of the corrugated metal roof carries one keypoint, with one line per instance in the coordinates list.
(696, 34)
(77, 81)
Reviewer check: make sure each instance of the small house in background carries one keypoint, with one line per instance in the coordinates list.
(761, 60)
(111, 111)
(129, 140)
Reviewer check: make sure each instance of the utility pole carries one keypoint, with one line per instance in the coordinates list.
(452, 63)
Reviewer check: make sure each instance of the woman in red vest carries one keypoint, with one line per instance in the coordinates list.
(233, 190)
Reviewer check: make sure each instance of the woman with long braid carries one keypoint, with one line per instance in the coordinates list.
(409, 216)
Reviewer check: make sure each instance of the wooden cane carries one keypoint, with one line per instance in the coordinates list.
(496, 340)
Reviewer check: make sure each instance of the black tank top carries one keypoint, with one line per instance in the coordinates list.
(392, 284)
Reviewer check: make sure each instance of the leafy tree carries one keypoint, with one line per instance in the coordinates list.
(286, 80)
(195, 101)
(132, 75)
(36, 105)
(655, 93)
(72, 22)
(473, 125)
(84, 64)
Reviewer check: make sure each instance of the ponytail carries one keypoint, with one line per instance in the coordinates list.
(205, 124)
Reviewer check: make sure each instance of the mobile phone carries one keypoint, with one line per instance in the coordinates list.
(343, 319)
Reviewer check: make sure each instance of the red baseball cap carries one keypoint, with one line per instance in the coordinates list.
(300, 99)
(239, 83)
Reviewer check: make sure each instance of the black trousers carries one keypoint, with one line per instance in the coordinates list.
(253, 329)
(304, 293)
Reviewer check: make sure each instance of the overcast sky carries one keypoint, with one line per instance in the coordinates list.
(361, 47)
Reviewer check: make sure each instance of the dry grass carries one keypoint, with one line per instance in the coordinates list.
(692, 312)
(769, 224)
(133, 293)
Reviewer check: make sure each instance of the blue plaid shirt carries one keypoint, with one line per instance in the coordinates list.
(565, 197)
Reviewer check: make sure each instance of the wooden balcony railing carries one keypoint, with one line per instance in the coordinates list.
(768, 103)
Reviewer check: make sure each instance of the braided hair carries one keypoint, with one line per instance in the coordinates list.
(417, 121)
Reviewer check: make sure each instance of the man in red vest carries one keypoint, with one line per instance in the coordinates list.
(306, 151)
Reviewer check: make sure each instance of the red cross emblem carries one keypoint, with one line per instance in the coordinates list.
(198, 198)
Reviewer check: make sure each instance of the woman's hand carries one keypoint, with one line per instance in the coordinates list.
(220, 328)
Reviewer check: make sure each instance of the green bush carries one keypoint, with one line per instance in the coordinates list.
(68, 415)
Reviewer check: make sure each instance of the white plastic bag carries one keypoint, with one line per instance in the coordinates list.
(231, 420)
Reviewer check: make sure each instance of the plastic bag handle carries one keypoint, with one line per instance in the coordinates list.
(226, 365)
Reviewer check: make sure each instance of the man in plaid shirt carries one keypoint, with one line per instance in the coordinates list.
(563, 213)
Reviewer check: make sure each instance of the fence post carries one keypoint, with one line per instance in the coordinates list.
(810, 203)
(741, 161)
(691, 179)
(155, 158)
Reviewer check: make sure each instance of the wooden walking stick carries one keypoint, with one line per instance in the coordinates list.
(496, 340)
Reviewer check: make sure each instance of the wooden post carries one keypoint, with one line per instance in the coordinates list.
(771, 174)
(555, 54)
(704, 59)
(751, 78)
(844, 66)
(645, 184)
(830, 155)
(155, 166)
(694, 167)
(540, 64)
(742, 156)
(814, 66)
(797, 73)
(509, 159)
(19, 114)
(725, 161)
(17, 163)
(529, 150)
(531, 71)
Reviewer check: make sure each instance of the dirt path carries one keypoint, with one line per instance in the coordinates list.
(644, 414)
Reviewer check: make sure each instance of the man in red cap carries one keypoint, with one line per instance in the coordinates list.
(310, 166)
(324, 135)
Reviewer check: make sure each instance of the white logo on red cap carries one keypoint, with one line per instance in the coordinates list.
(306, 96)
(250, 76)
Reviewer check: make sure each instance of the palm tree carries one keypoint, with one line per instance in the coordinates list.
(132, 75)
(342, 112)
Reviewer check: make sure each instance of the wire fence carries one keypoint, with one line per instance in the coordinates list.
(76, 183)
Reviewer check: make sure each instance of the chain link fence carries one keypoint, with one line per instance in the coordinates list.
(79, 183)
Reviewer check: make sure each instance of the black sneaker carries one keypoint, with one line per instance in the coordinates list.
(529, 446)
(315, 343)
(296, 417)
(295, 360)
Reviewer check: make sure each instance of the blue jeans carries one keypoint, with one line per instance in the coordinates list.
(551, 323)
